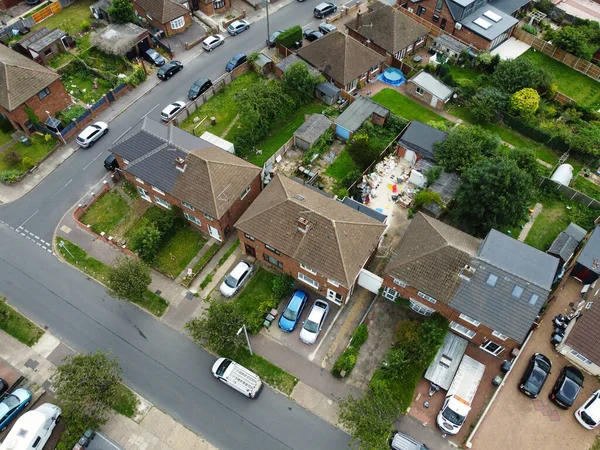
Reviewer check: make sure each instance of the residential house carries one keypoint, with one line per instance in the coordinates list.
(429, 90)
(482, 24)
(565, 244)
(169, 16)
(418, 140)
(388, 31)
(26, 86)
(311, 130)
(318, 240)
(491, 290)
(42, 45)
(343, 60)
(282, 66)
(587, 265)
(7, 4)
(170, 167)
(361, 110)
(328, 93)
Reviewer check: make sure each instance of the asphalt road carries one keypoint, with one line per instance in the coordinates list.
(158, 362)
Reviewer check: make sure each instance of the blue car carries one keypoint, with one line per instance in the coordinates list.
(291, 316)
(12, 405)
(236, 61)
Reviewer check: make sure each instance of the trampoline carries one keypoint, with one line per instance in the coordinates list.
(392, 76)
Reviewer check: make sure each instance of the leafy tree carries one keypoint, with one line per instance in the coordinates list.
(282, 285)
(486, 62)
(217, 327)
(298, 79)
(433, 174)
(146, 242)
(122, 11)
(395, 123)
(512, 75)
(526, 160)
(581, 40)
(163, 219)
(493, 194)
(426, 197)
(585, 138)
(464, 146)
(87, 387)
(525, 102)
(129, 279)
(488, 104)
(362, 153)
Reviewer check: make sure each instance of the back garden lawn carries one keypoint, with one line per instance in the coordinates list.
(404, 107)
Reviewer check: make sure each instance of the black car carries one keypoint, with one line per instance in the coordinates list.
(567, 387)
(313, 35)
(324, 9)
(153, 57)
(272, 38)
(169, 69)
(199, 88)
(535, 375)
(111, 163)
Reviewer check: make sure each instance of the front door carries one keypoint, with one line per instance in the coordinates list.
(334, 297)
(214, 233)
(434, 101)
(250, 251)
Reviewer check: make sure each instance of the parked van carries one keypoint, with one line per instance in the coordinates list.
(401, 441)
(32, 430)
(237, 376)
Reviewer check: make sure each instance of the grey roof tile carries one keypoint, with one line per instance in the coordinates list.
(420, 138)
(358, 112)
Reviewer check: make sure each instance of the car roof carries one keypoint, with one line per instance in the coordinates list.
(323, 5)
(297, 299)
(200, 81)
(87, 131)
(574, 374)
(238, 56)
(238, 22)
(241, 267)
(214, 37)
(316, 313)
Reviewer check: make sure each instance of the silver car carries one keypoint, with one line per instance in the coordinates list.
(236, 278)
(212, 42)
(91, 134)
(238, 26)
(313, 325)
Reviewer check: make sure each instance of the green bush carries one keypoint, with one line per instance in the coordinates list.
(10, 176)
(28, 163)
(138, 76)
(146, 242)
(12, 158)
(290, 36)
(164, 220)
(347, 359)
(530, 29)
(85, 26)
(254, 320)
(360, 335)
(5, 125)
(206, 280)
(282, 285)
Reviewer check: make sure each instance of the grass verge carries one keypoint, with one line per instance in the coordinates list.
(126, 402)
(259, 288)
(105, 213)
(403, 106)
(38, 148)
(228, 253)
(17, 325)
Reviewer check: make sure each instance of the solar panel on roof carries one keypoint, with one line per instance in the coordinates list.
(492, 15)
(482, 23)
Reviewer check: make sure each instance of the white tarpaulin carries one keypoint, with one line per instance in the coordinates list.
(219, 142)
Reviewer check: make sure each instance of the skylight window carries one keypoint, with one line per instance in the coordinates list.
(517, 291)
(533, 299)
(493, 16)
(482, 23)
(492, 280)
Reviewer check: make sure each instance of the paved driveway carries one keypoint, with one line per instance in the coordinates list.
(515, 421)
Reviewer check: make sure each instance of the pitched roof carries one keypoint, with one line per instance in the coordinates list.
(420, 138)
(163, 10)
(21, 78)
(341, 57)
(212, 180)
(339, 240)
(584, 337)
(446, 185)
(292, 59)
(563, 246)
(590, 255)
(358, 112)
(313, 128)
(432, 85)
(32, 37)
(388, 28)
(576, 231)
(43, 41)
(430, 256)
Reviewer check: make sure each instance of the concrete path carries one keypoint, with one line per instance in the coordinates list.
(525, 231)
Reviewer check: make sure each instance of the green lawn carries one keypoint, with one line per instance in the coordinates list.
(402, 106)
(70, 18)
(586, 186)
(463, 75)
(153, 303)
(581, 88)
(106, 213)
(17, 325)
(104, 62)
(258, 288)
(61, 59)
(222, 106)
(39, 148)
(283, 133)
(341, 166)
(549, 223)
(126, 402)
(4, 138)
(178, 250)
(80, 83)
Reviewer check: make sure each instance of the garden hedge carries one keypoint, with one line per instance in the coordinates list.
(347, 359)
(290, 36)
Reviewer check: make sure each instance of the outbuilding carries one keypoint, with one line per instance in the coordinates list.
(358, 113)
(428, 89)
(327, 92)
(311, 130)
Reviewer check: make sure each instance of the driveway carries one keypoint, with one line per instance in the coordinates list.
(193, 33)
(515, 421)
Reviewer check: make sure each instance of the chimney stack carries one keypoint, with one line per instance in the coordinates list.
(180, 163)
(358, 20)
(302, 225)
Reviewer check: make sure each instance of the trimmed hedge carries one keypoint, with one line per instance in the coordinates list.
(347, 359)
(289, 36)
(537, 134)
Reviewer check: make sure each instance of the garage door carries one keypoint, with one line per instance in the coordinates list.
(370, 281)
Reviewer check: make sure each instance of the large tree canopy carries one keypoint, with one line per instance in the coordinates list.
(488, 104)
(464, 146)
(512, 75)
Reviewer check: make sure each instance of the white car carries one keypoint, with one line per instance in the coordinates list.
(314, 323)
(238, 26)
(588, 414)
(91, 134)
(236, 278)
(212, 42)
(170, 111)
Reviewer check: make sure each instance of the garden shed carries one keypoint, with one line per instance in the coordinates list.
(311, 130)
(263, 64)
(328, 93)
(357, 113)
(122, 39)
(44, 44)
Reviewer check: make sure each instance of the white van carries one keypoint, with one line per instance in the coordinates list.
(236, 376)
(32, 430)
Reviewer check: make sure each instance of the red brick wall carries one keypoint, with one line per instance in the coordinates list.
(411, 89)
(290, 266)
(208, 8)
(166, 27)
(56, 101)
(483, 333)
(5, 4)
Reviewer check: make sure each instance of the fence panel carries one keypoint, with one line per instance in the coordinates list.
(119, 88)
(66, 130)
(84, 116)
(99, 103)
(573, 194)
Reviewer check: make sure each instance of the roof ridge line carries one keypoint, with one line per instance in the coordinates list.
(147, 155)
(341, 253)
(237, 164)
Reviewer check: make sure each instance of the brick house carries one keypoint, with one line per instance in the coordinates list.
(480, 23)
(491, 290)
(26, 84)
(170, 167)
(388, 31)
(169, 16)
(343, 60)
(429, 90)
(316, 239)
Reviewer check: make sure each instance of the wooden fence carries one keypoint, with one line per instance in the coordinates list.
(48, 11)
(7, 31)
(282, 151)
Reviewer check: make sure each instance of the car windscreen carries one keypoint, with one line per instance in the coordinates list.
(587, 419)
(535, 380)
(11, 401)
(311, 326)
(231, 281)
(233, 61)
(453, 417)
(290, 315)
(223, 367)
(195, 88)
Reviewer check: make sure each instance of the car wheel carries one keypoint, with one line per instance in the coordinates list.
(91, 144)
(58, 419)
(105, 131)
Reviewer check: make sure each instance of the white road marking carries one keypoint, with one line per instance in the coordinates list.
(21, 226)
(92, 161)
(58, 192)
(150, 110)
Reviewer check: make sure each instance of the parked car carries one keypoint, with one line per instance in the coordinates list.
(169, 69)
(238, 377)
(327, 28)
(236, 61)
(111, 163)
(32, 430)
(313, 324)
(401, 441)
(588, 414)
(238, 26)
(272, 38)
(567, 387)
(535, 375)
(236, 278)
(199, 87)
(85, 440)
(291, 315)
(170, 111)
(153, 57)
(324, 9)
(91, 134)
(212, 42)
(312, 35)
(12, 405)
(3, 387)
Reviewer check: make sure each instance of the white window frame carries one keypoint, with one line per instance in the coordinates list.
(333, 282)
(420, 308)
(427, 297)
(495, 353)
(192, 218)
(500, 336)
(160, 191)
(308, 280)
(148, 16)
(581, 358)
(188, 206)
(208, 217)
(390, 293)
(472, 321)
(178, 23)
(460, 329)
(419, 90)
(162, 202)
(126, 162)
(399, 282)
(420, 40)
(246, 191)
(314, 272)
(144, 194)
(139, 180)
(333, 296)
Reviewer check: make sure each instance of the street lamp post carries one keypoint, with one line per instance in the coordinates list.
(247, 338)
(268, 29)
